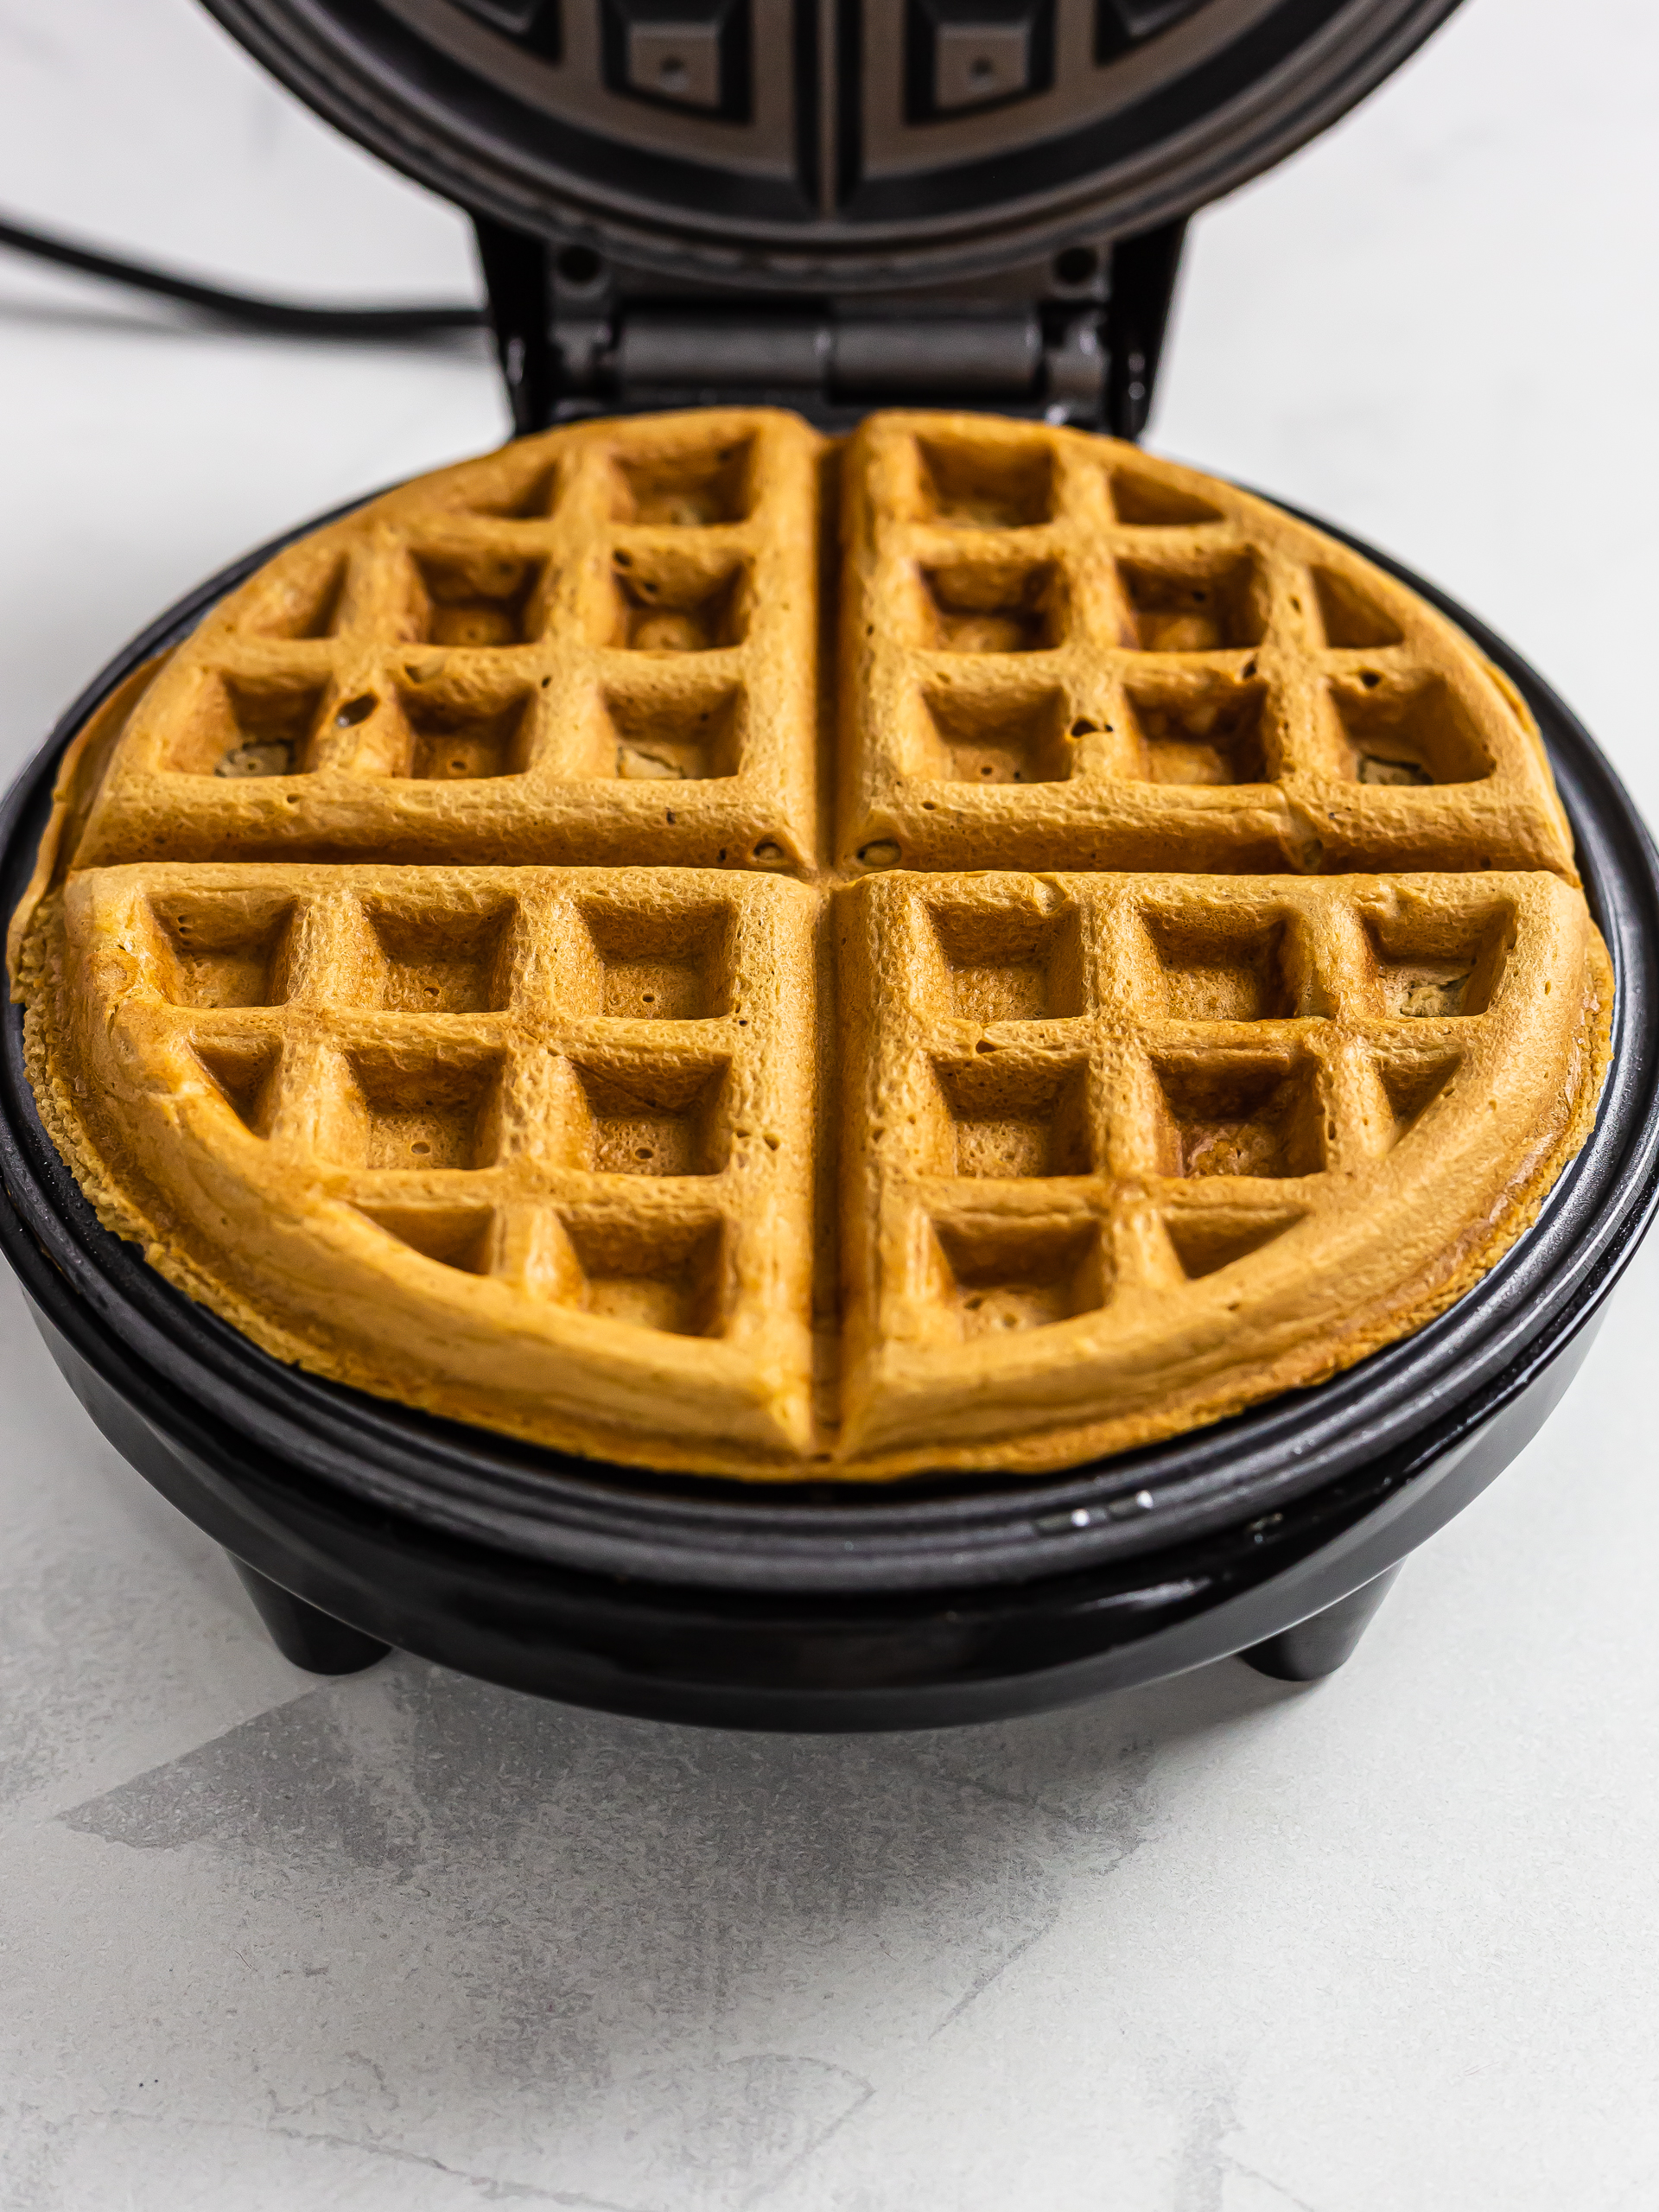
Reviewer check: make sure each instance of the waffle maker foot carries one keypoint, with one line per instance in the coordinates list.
(308, 1638)
(1318, 1645)
(313, 1640)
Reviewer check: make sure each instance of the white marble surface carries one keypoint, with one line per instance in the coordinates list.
(406, 1944)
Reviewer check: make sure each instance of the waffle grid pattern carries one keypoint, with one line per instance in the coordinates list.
(1086, 1094)
(568, 1084)
(1070, 656)
(597, 648)
(433, 906)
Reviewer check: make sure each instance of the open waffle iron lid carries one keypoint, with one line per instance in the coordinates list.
(831, 204)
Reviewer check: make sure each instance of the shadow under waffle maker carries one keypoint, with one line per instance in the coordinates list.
(835, 208)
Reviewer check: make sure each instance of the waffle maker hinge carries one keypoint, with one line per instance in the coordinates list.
(1076, 341)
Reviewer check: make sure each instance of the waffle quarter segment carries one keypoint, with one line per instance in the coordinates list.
(1122, 1153)
(597, 646)
(525, 1146)
(1057, 652)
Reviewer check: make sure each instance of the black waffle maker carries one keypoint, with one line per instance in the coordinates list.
(835, 205)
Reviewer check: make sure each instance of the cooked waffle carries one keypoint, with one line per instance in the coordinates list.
(1058, 653)
(433, 964)
(1124, 1153)
(592, 647)
(532, 1146)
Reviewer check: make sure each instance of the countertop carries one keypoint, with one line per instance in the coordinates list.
(405, 1943)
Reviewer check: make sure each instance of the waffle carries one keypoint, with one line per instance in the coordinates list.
(444, 965)
(1125, 1152)
(532, 1146)
(1058, 653)
(595, 647)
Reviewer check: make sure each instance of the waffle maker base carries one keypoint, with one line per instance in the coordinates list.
(359, 1525)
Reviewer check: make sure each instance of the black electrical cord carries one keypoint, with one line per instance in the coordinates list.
(290, 320)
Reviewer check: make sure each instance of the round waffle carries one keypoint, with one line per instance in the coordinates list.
(446, 962)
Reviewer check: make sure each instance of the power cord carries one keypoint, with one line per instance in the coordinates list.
(281, 316)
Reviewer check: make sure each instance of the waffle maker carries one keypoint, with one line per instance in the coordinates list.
(831, 206)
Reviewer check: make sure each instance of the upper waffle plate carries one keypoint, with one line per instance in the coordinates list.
(440, 962)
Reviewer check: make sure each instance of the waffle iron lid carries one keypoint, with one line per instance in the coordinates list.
(863, 146)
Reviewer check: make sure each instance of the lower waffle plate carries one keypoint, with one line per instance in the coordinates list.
(935, 1602)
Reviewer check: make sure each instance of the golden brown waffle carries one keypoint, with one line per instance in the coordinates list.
(1124, 1153)
(596, 647)
(1058, 652)
(432, 962)
(532, 1147)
